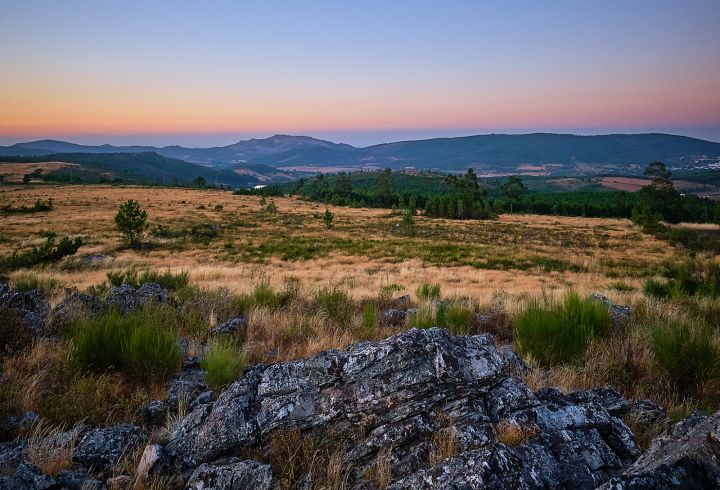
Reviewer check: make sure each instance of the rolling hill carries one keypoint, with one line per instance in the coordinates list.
(504, 153)
(144, 167)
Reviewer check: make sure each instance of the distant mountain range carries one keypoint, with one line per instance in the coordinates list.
(555, 153)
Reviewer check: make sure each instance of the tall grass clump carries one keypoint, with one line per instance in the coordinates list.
(223, 362)
(428, 291)
(335, 305)
(688, 352)
(141, 344)
(28, 282)
(560, 333)
(166, 279)
(370, 321)
(456, 316)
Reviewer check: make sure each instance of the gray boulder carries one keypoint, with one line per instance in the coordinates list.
(618, 313)
(235, 326)
(77, 479)
(647, 412)
(126, 298)
(392, 398)
(31, 307)
(235, 474)
(101, 448)
(69, 309)
(11, 455)
(686, 456)
(14, 425)
(393, 317)
(28, 477)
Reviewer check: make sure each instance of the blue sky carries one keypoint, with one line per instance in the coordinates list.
(200, 73)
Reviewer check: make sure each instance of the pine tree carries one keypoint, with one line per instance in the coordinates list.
(131, 221)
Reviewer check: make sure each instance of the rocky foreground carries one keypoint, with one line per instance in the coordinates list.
(421, 409)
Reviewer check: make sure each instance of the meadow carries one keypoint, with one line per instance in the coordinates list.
(305, 287)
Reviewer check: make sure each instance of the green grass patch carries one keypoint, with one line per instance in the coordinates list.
(688, 352)
(166, 279)
(142, 344)
(28, 282)
(426, 291)
(336, 306)
(560, 333)
(223, 362)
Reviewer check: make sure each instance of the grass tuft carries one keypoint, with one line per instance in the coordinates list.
(557, 334)
(142, 344)
(687, 352)
(223, 363)
(426, 291)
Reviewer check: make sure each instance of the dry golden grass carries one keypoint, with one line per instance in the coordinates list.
(512, 434)
(50, 447)
(597, 247)
(444, 445)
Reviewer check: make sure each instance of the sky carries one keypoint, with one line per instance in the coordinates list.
(208, 73)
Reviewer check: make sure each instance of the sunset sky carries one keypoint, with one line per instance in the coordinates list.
(205, 73)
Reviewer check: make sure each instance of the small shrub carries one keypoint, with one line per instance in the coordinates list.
(264, 295)
(428, 291)
(555, 334)
(687, 352)
(142, 344)
(48, 252)
(336, 306)
(39, 206)
(328, 219)
(223, 363)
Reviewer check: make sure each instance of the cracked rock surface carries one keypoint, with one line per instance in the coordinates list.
(396, 396)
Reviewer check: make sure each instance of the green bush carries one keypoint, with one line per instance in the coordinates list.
(560, 333)
(336, 306)
(428, 291)
(41, 254)
(223, 363)
(142, 344)
(687, 352)
(39, 206)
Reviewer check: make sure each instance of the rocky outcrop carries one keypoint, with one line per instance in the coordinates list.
(126, 298)
(618, 313)
(235, 474)
(235, 326)
(394, 398)
(686, 456)
(101, 448)
(69, 309)
(30, 307)
(14, 425)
